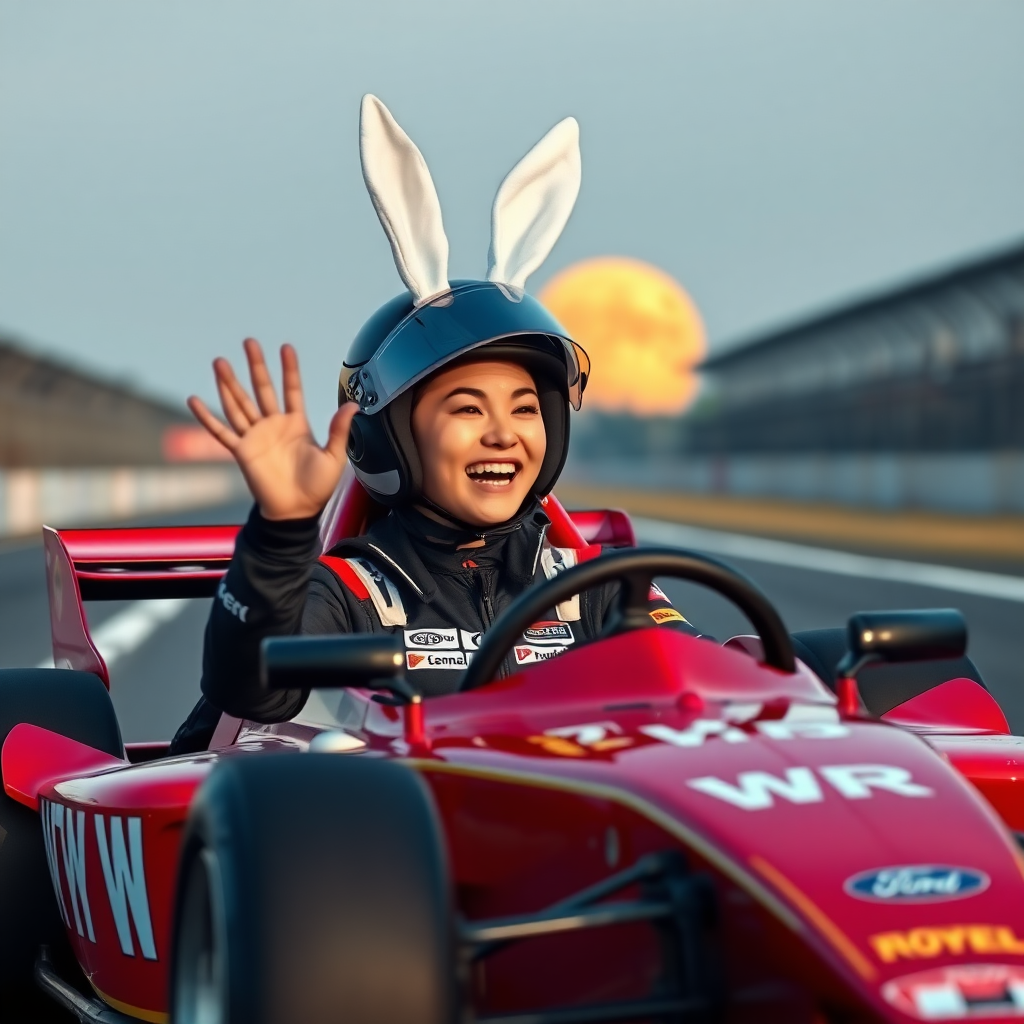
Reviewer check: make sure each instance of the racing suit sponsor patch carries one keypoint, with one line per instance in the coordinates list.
(433, 639)
(546, 633)
(470, 640)
(435, 659)
(661, 615)
(528, 654)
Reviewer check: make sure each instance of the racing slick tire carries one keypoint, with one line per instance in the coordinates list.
(77, 705)
(313, 888)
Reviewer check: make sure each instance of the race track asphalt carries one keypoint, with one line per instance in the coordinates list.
(155, 673)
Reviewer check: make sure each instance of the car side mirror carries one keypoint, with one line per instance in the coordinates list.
(921, 635)
(897, 636)
(324, 662)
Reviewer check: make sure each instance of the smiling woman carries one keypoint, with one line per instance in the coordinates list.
(481, 440)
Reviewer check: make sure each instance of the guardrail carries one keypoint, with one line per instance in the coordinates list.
(76, 497)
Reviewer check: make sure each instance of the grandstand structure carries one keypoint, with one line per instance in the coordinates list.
(936, 366)
(54, 415)
(910, 399)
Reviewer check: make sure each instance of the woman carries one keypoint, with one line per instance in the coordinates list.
(454, 412)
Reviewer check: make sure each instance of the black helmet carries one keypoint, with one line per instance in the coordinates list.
(437, 321)
(402, 344)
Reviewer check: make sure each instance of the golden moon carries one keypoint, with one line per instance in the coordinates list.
(641, 330)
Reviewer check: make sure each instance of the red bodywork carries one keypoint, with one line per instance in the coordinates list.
(551, 780)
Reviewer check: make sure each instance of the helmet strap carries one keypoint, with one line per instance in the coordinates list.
(467, 531)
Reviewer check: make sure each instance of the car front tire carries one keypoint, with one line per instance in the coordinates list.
(313, 887)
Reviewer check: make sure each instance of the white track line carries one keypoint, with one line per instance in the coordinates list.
(840, 563)
(130, 629)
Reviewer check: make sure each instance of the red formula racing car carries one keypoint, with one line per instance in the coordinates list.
(651, 827)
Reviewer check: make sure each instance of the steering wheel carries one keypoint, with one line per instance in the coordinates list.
(634, 569)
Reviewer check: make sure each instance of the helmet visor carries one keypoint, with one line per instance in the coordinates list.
(452, 325)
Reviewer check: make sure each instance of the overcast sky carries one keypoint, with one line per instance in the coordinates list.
(176, 175)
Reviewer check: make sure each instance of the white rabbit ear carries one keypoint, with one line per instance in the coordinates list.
(533, 205)
(405, 199)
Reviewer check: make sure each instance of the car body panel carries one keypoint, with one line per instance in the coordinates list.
(548, 781)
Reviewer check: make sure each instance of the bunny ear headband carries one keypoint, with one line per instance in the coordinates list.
(529, 213)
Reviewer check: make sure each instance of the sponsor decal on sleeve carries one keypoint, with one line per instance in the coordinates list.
(964, 992)
(657, 594)
(663, 615)
(231, 603)
(436, 659)
(916, 883)
(433, 639)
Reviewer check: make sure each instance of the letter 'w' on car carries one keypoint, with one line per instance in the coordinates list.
(753, 790)
(124, 874)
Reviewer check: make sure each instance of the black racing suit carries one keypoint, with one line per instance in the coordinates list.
(406, 574)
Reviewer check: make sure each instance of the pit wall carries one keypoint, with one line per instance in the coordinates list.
(80, 497)
(973, 483)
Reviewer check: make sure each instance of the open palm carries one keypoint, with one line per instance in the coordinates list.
(288, 473)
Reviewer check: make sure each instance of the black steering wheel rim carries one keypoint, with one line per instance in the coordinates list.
(635, 569)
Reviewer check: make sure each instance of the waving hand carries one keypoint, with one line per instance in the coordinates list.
(288, 473)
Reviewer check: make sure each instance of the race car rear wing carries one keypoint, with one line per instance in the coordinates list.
(152, 563)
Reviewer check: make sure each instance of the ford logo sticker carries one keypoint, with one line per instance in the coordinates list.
(916, 883)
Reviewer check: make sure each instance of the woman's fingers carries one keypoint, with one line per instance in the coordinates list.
(262, 385)
(218, 430)
(228, 388)
(291, 380)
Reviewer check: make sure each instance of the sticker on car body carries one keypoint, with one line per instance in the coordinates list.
(959, 992)
(926, 943)
(66, 833)
(916, 883)
(756, 791)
